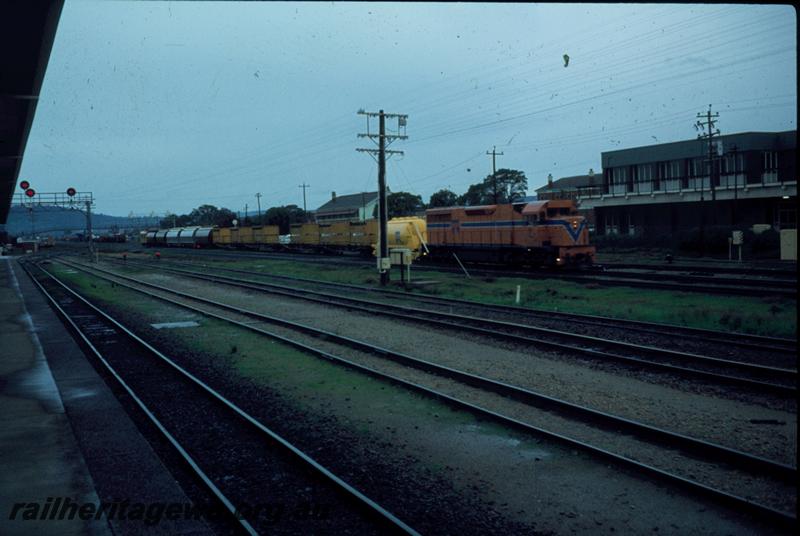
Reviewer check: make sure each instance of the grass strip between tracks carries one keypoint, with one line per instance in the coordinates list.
(768, 316)
(775, 516)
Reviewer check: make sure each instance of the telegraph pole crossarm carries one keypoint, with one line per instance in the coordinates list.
(383, 139)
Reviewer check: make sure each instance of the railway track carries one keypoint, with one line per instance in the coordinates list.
(778, 273)
(781, 473)
(663, 281)
(200, 422)
(728, 339)
(761, 378)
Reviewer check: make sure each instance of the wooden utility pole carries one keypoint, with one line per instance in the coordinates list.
(709, 124)
(384, 262)
(304, 186)
(89, 231)
(494, 154)
(701, 126)
(734, 151)
(258, 199)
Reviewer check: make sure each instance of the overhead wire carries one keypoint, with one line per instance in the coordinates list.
(325, 143)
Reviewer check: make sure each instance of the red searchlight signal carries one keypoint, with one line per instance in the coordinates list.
(30, 192)
(24, 185)
(70, 191)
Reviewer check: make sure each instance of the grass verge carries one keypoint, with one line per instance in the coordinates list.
(769, 315)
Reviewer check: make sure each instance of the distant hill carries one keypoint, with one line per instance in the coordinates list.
(58, 221)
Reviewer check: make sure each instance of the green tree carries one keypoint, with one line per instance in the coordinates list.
(284, 217)
(167, 221)
(403, 204)
(443, 198)
(476, 194)
(171, 220)
(504, 186)
(204, 215)
(223, 218)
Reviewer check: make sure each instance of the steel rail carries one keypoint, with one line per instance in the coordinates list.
(594, 278)
(678, 267)
(187, 458)
(697, 446)
(743, 340)
(692, 278)
(455, 321)
(617, 280)
(775, 516)
(361, 500)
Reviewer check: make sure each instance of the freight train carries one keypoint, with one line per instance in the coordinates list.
(333, 238)
(535, 234)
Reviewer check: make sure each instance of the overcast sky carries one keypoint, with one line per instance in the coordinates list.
(166, 106)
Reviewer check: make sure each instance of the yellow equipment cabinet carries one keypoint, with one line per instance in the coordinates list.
(410, 233)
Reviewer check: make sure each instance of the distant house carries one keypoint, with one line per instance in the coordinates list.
(573, 188)
(353, 207)
(570, 187)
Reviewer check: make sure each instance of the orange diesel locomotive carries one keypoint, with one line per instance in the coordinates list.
(540, 233)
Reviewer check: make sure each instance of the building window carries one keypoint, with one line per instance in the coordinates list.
(675, 169)
(619, 180)
(770, 161)
(629, 187)
(732, 166)
(697, 168)
(770, 166)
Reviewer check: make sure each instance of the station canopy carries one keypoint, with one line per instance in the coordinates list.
(27, 30)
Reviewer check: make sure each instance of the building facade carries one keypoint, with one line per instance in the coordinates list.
(661, 188)
(353, 207)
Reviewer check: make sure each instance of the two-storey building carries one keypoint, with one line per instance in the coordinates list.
(661, 188)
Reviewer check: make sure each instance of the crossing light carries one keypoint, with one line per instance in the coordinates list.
(30, 192)
(24, 185)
